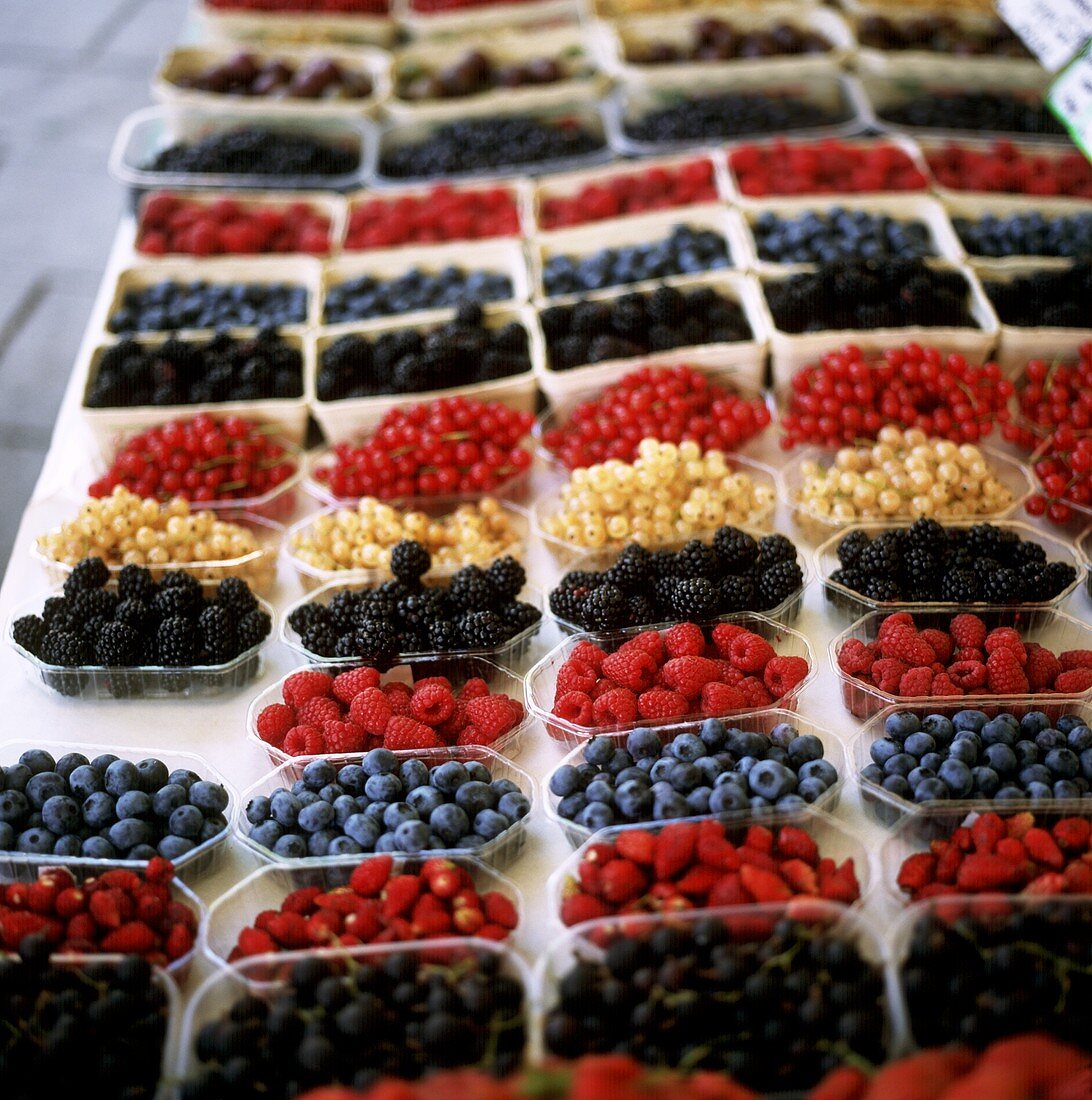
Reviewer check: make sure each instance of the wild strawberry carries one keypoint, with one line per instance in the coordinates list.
(841, 885)
(371, 875)
(306, 684)
(290, 930)
(714, 849)
(468, 920)
(70, 902)
(622, 881)
(793, 843)
(150, 909)
(981, 874)
(399, 895)
(323, 927)
(1072, 833)
(365, 924)
(633, 669)
(1011, 848)
(763, 885)
(179, 941)
(105, 907)
(968, 631)
(986, 831)
(637, 845)
(407, 733)
(728, 891)
(916, 872)
(133, 938)
(675, 849)
(801, 878)
(658, 702)
(370, 709)
(341, 899)
(1046, 884)
(274, 722)
(303, 899)
(446, 884)
(348, 685)
(252, 941)
(577, 908)
(782, 674)
(499, 909)
(684, 640)
(698, 881)
(1042, 848)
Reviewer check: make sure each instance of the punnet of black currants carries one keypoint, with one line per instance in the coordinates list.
(776, 1007)
(106, 808)
(478, 609)
(928, 562)
(736, 572)
(992, 971)
(366, 297)
(257, 151)
(105, 1023)
(353, 1020)
(196, 372)
(467, 349)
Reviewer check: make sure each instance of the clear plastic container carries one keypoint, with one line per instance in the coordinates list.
(139, 681)
(300, 26)
(500, 852)
(264, 976)
(541, 683)
(819, 528)
(268, 886)
(511, 654)
(755, 721)
(889, 809)
(149, 131)
(457, 669)
(1052, 629)
(204, 860)
(1084, 550)
(597, 561)
(850, 605)
(1080, 515)
(312, 577)
(834, 839)
(761, 519)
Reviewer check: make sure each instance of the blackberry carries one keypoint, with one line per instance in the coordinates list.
(735, 549)
(632, 572)
(920, 572)
(88, 603)
(696, 560)
(1035, 583)
(186, 581)
(641, 611)
(1060, 575)
(54, 610)
(568, 604)
(342, 609)
(737, 594)
(778, 583)
(135, 613)
(881, 557)
(234, 594)
(482, 629)
(410, 561)
(470, 590)
(1027, 553)
(345, 646)
(443, 635)
(959, 586)
(774, 548)
(135, 583)
(377, 603)
(694, 598)
(851, 548)
(663, 590)
(253, 629)
(176, 642)
(65, 648)
(92, 628)
(375, 640)
(118, 646)
(320, 639)
(216, 627)
(662, 563)
(170, 603)
(604, 609)
(883, 589)
(28, 632)
(308, 615)
(89, 574)
(984, 540)
(519, 616)
(507, 577)
(1001, 585)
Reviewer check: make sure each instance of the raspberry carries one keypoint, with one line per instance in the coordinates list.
(304, 685)
(968, 675)
(969, 653)
(371, 711)
(684, 640)
(750, 652)
(944, 686)
(940, 643)
(894, 622)
(602, 687)
(723, 635)
(304, 741)
(432, 703)
(658, 702)
(471, 735)
(1004, 637)
(398, 696)
(634, 669)
(968, 631)
(782, 674)
(855, 657)
(615, 707)
(344, 737)
(574, 675)
(407, 733)
(432, 681)
(1042, 668)
(754, 692)
(494, 715)
(457, 722)
(888, 672)
(649, 641)
(274, 722)
(717, 699)
(317, 711)
(688, 675)
(575, 707)
(1075, 658)
(474, 688)
(1005, 673)
(348, 685)
(589, 654)
(918, 681)
(907, 645)
(1073, 682)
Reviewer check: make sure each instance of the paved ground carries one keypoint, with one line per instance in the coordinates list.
(70, 71)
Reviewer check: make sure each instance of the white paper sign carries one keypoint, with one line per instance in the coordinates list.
(1054, 30)
(1070, 97)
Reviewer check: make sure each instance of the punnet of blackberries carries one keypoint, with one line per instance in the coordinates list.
(777, 1003)
(735, 572)
(139, 622)
(477, 609)
(101, 1024)
(356, 1019)
(982, 563)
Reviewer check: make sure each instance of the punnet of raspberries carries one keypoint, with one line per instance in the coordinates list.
(117, 912)
(961, 657)
(700, 865)
(1049, 171)
(963, 754)
(683, 671)
(354, 711)
(381, 903)
(995, 854)
(443, 447)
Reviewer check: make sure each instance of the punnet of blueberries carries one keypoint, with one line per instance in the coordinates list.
(1052, 299)
(366, 297)
(106, 808)
(357, 1019)
(196, 372)
(478, 144)
(257, 151)
(461, 352)
(1027, 234)
(869, 294)
(736, 572)
(684, 251)
(170, 304)
(837, 234)
(778, 1004)
(478, 609)
(995, 111)
(717, 769)
(105, 1022)
(385, 803)
(968, 755)
(641, 324)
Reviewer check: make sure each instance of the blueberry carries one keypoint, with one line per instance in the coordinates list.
(500, 787)
(98, 847)
(713, 734)
(930, 790)
(424, 800)
(632, 799)
(411, 836)
(1035, 773)
(882, 751)
(37, 841)
(16, 777)
(1035, 721)
(741, 743)
(1009, 793)
(1069, 722)
(384, 787)
(490, 823)
(290, 846)
(1048, 739)
(932, 760)
(285, 808)
(778, 755)
(687, 748)
(771, 780)
(998, 732)
(808, 789)
(386, 844)
(43, 786)
(68, 846)
(475, 797)
(823, 770)
(153, 774)
(1065, 788)
(1086, 763)
(587, 773)
(595, 816)
(619, 762)
(565, 781)
(1037, 790)
(870, 773)
(121, 776)
(316, 817)
(13, 806)
(939, 728)
(61, 815)
(685, 777)
(642, 743)
(918, 744)
(38, 760)
(1079, 738)
(344, 846)
(1027, 753)
(571, 805)
(352, 777)
(783, 735)
(170, 796)
(599, 751)
(397, 812)
(449, 822)
(98, 810)
(413, 773)
(804, 748)
(374, 811)
(969, 720)
(183, 777)
(185, 821)
(480, 773)
(68, 763)
(265, 833)
(449, 776)
(1063, 763)
(317, 774)
(900, 764)
(1001, 759)
(7, 838)
(669, 806)
(896, 785)
(986, 782)
(103, 761)
(380, 760)
(517, 805)
(133, 804)
(129, 832)
(899, 726)
(919, 775)
(957, 776)
(966, 751)
(727, 798)
(363, 830)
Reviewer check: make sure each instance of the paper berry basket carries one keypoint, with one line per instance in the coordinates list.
(850, 605)
(457, 669)
(541, 683)
(751, 721)
(240, 22)
(486, 17)
(1053, 629)
(203, 860)
(267, 887)
(312, 577)
(927, 820)
(834, 839)
(500, 852)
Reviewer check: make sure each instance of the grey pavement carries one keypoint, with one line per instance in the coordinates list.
(70, 71)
